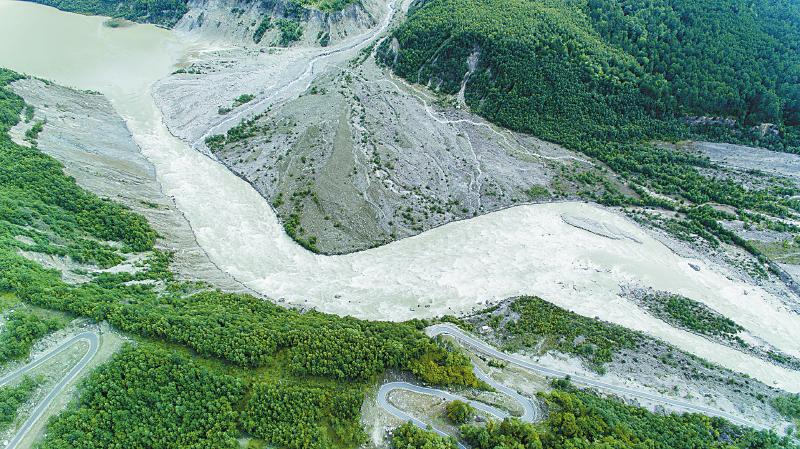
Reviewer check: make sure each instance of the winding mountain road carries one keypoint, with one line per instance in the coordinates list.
(387, 388)
(530, 410)
(94, 344)
(480, 346)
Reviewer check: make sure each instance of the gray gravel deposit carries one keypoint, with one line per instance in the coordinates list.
(752, 158)
(362, 159)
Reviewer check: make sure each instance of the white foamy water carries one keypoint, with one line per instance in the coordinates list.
(452, 269)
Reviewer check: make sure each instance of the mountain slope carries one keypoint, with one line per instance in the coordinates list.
(608, 77)
(605, 68)
(160, 12)
(734, 58)
(537, 64)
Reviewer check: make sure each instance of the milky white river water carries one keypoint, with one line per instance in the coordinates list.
(451, 269)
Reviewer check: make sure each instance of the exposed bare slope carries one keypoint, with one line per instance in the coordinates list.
(236, 21)
(361, 159)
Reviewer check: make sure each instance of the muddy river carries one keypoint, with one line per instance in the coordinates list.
(534, 249)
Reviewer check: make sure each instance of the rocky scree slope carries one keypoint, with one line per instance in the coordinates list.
(242, 22)
(280, 22)
(361, 159)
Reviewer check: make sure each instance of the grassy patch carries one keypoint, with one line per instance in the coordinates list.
(786, 251)
(548, 327)
(7, 300)
(689, 314)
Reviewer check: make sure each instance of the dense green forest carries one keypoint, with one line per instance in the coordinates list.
(608, 67)
(540, 66)
(247, 331)
(149, 397)
(732, 58)
(608, 77)
(20, 331)
(12, 398)
(160, 12)
(290, 415)
(258, 350)
(583, 419)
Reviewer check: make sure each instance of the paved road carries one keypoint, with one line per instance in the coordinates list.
(530, 410)
(476, 344)
(387, 388)
(94, 343)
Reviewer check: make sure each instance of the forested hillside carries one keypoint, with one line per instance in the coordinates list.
(732, 58)
(539, 65)
(569, 70)
(159, 12)
(149, 397)
(583, 419)
(609, 77)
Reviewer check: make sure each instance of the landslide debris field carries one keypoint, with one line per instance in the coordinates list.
(529, 249)
(361, 159)
(340, 148)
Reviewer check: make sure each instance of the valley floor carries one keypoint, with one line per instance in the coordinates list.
(221, 219)
(457, 268)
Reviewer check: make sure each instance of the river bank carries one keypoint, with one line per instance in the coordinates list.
(455, 269)
(83, 131)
